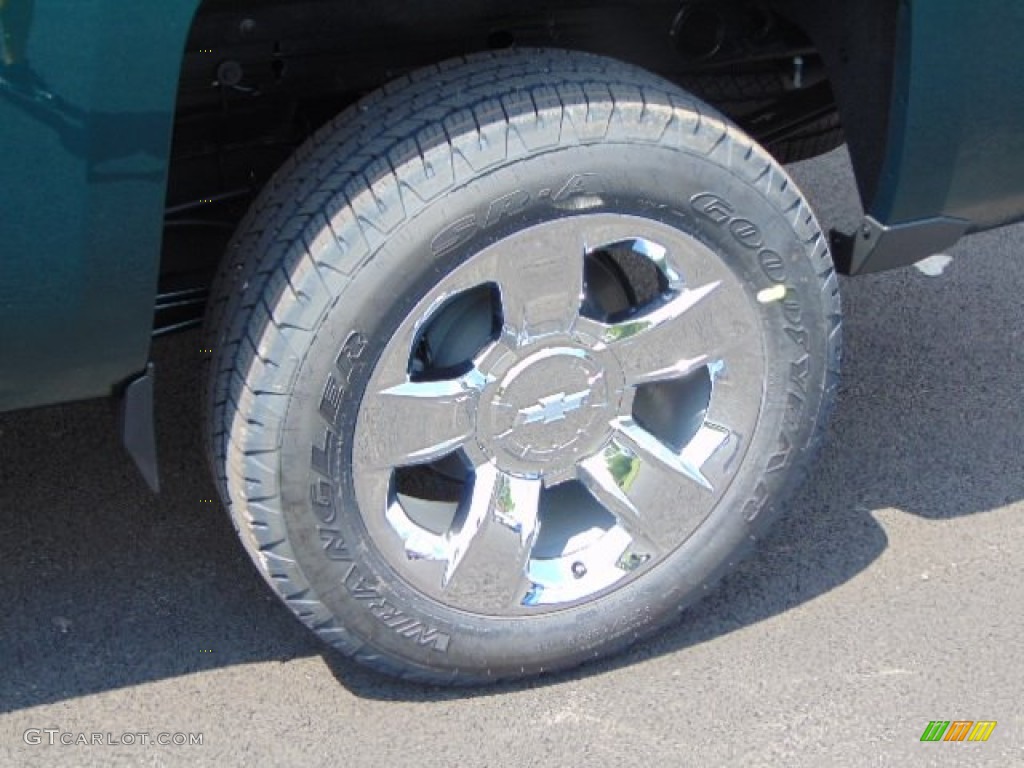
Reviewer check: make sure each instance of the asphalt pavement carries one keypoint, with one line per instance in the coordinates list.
(889, 596)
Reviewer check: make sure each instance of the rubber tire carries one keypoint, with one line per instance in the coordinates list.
(338, 246)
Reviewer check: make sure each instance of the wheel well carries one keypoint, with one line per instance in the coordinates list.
(259, 76)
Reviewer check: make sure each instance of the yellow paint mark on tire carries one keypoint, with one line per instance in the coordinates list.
(775, 293)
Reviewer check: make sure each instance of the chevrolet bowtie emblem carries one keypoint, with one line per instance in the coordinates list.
(553, 408)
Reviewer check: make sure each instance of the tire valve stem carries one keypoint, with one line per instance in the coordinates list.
(579, 570)
(798, 72)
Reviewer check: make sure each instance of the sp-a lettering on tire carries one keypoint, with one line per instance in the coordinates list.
(512, 361)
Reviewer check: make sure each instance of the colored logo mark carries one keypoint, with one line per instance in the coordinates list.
(958, 730)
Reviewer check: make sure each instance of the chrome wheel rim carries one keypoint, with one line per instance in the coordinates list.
(558, 415)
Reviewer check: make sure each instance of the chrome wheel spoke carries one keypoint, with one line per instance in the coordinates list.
(731, 404)
(419, 422)
(541, 284)
(490, 553)
(674, 338)
(687, 463)
(656, 494)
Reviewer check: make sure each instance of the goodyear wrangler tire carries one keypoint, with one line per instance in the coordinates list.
(512, 361)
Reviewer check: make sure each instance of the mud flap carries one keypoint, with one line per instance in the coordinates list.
(136, 426)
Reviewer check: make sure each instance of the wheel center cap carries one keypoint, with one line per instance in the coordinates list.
(547, 409)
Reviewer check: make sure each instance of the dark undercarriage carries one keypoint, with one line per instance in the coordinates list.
(260, 76)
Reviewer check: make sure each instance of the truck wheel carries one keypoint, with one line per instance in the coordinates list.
(512, 361)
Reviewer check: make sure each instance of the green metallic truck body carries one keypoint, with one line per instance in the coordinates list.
(87, 104)
(86, 112)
